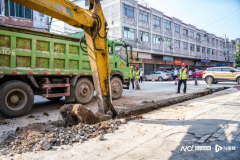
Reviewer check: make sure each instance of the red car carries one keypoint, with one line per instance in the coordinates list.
(198, 73)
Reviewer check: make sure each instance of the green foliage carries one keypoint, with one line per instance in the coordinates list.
(238, 55)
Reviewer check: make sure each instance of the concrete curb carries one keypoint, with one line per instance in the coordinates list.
(163, 103)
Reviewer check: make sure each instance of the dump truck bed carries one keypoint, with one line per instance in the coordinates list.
(26, 51)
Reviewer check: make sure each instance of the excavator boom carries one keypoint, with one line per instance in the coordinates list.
(95, 27)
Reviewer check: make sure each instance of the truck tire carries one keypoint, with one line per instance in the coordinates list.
(16, 98)
(54, 99)
(116, 87)
(84, 91)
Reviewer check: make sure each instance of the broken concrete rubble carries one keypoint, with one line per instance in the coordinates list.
(43, 136)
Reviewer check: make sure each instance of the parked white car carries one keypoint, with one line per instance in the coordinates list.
(157, 75)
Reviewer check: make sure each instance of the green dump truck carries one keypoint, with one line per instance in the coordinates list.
(53, 66)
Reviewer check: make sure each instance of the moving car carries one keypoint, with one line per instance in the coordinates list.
(198, 73)
(158, 75)
(221, 74)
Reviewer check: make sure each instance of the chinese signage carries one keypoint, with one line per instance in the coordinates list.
(205, 61)
(177, 62)
(167, 58)
(198, 64)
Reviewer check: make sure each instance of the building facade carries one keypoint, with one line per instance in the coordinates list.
(14, 14)
(162, 41)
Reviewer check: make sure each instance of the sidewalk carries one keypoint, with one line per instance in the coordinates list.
(206, 121)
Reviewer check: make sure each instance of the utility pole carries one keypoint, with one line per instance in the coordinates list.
(225, 46)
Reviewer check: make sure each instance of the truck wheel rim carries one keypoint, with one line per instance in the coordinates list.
(116, 88)
(84, 91)
(16, 99)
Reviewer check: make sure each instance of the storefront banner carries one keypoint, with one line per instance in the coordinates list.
(178, 62)
(212, 65)
(144, 55)
(167, 58)
(205, 61)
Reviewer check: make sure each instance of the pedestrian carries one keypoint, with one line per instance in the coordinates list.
(175, 73)
(132, 75)
(183, 77)
(137, 78)
(190, 73)
(141, 75)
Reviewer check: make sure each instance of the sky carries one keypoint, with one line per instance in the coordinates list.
(214, 16)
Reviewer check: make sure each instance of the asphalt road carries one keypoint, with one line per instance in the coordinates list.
(150, 91)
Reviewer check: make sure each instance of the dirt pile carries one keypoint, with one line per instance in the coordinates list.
(44, 136)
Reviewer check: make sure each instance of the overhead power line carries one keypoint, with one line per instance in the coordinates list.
(220, 19)
(192, 8)
(216, 15)
(225, 22)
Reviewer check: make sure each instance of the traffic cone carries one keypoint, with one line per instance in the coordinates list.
(153, 80)
(209, 83)
(196, 82)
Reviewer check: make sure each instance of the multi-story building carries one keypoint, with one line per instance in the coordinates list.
(237, 42)
(14, 14)
(162, 41)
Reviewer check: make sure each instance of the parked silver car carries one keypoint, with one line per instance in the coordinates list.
(158, 75)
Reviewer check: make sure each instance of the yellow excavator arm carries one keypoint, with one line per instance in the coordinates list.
(95, 27)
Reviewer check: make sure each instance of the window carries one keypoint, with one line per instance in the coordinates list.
(208, 51)
(203, 37)
(185, 31)
(225, 70)
(121, 52)
(216, 41)
(144, 36)
(129, 33)
(128, 11)
(185, 45)
(212, 52)
(198, 48)
(203, 50)
(110, 50)
(167, 24)
(86, 2)
(220, 43)
(168, 42)
(156, 39)
(217, 69)
(41, 15)
(191, 33)
(198, 37)
(208, 39)
(177, 44)
(192, 47)
(156, 21)
(213, 40)
(143, 16)
(177, 28)
(16, 10)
